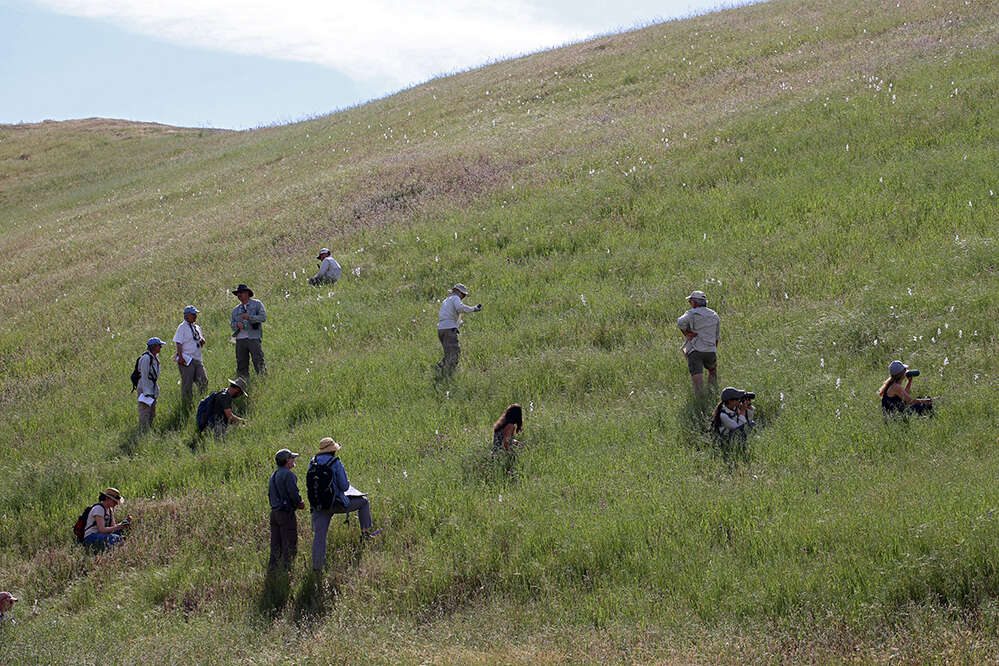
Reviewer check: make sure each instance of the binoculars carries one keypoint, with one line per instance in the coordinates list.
(749, 396)
(912, 373)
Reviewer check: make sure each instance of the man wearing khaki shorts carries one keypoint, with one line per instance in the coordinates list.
(701, 327)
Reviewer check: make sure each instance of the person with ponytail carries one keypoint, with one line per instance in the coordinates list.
(895, 398)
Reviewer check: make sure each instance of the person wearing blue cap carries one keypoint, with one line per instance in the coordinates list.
(329, 270)
(148, 388)
(190, 340)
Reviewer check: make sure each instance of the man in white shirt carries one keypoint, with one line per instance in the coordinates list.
(701, 327)
(190, 340)
(448, 322)
(148, 386)
(329, 269)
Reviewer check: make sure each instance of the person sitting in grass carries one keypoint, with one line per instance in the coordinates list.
(102, 531)
(329, 269)
(510, 423)
(6, 606)
(895, 398)
(734, 414)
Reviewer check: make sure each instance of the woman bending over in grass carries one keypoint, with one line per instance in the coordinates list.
(734, 414)
(895, 398)
(510, 423)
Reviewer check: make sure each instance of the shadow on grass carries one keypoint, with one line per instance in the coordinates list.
(274, 594)
(314, 597)
(128, 442)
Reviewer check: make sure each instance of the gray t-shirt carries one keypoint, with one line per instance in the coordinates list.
(706, 324)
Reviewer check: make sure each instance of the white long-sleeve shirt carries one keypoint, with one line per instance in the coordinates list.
(450, 314)
(328, 270)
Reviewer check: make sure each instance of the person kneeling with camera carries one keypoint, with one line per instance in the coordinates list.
(102, 531)
(734, 414)
(895, 398)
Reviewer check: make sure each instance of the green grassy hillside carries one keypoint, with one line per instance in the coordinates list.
(825, 170)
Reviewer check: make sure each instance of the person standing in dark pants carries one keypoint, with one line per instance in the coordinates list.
(448, 323)
(246, 323)
(285, 500)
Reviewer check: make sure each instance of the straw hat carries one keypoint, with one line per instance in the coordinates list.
(328, 445)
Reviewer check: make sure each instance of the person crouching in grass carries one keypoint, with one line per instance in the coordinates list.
(895, 398)
(510, 423)
(102, 531)
(734, 414)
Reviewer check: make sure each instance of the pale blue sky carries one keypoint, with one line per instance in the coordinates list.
(245, 63)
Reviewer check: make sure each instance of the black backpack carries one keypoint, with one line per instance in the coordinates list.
(205, 410)
(136, 375)
(81, 523)
(319, 484)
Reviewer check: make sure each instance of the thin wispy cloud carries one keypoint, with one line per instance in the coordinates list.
(395, 41)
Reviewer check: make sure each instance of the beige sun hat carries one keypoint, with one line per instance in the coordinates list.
(328, 445)
(114, 494)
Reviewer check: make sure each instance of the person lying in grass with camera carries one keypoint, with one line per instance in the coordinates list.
(895, 398)
(734, 414)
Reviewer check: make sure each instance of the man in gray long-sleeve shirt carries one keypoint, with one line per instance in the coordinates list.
(282, 491)
(246, 323)
(148, 388)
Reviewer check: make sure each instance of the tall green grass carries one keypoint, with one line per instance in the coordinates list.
(831, 189)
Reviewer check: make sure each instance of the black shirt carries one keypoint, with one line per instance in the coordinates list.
(222, 402)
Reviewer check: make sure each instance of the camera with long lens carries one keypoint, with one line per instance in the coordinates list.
(912, 373)
(749, 396)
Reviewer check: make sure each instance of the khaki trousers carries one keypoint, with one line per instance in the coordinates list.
(146, 415)
(190, 373)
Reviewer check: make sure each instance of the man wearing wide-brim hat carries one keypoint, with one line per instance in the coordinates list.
(221, 415)
(329, 269)
(448, 322)
(701, 327)
(330, 493)
(247, 328)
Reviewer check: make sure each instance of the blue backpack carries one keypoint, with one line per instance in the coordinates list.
(205, 410)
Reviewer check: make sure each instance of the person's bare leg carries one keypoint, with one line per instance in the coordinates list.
(713, 376)
(698, 380)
